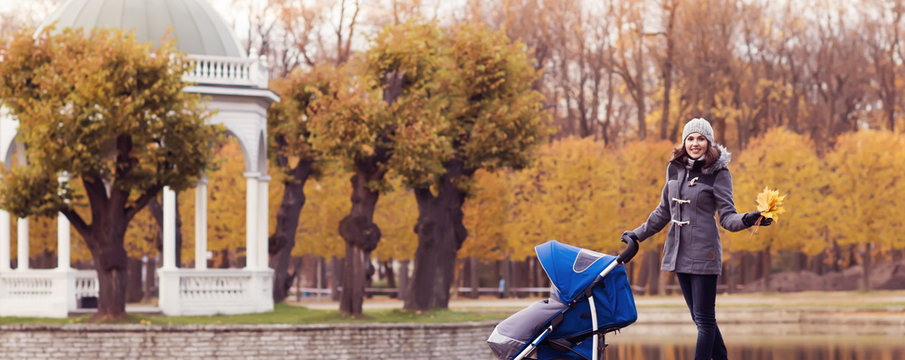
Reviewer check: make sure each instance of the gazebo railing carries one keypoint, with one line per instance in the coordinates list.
(221, 70)
(45, 292)
(86, 284)
(215, 291)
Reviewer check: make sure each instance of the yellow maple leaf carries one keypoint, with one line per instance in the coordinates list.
(769, 203)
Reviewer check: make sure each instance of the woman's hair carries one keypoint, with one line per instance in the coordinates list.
(710, 156)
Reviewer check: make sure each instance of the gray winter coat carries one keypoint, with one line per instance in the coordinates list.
(688, 203)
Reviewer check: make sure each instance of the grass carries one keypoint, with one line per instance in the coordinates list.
(284, 314)
(889, 301)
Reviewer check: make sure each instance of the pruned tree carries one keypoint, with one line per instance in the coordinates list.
(301, 96)
(492, 122)
(384, 117)
(111, 113)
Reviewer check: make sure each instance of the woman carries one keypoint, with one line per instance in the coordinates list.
(698, 184)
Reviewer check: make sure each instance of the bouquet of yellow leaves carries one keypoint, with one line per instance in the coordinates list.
(769, 203)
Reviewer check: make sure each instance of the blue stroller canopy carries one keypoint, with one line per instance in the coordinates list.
(570, 269)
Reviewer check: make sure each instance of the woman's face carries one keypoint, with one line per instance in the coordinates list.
(696, 145)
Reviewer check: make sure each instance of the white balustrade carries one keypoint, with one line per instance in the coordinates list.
(220, 70)
(45, 292)
(28, 287)
(225, 286)
(215, 291)
(86, 284)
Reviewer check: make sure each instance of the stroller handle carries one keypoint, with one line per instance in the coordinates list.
(630, 250)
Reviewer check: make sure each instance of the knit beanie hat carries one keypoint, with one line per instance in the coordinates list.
(701, 126)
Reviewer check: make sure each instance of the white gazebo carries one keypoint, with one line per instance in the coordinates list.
(235, 85)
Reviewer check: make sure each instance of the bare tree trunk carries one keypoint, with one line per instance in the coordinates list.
(336, 271)
(506, 265)
(106, 245)
(731, 269)
(404, 279)
(866, 261)
(652, 262)
(440, 235)
(133, 283)
(353, 280)
(391, 277)
(766, 268)
(666, 71)
(474, 280)
(361, 236)
(282, 240)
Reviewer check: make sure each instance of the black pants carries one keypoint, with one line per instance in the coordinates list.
(700, 295)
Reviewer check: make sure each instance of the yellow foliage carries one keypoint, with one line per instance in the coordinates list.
(396, 215)
(570, 194)
(642, 174)
(225, 207)
(485, 214)
(327, 202)
(867, 189)
(789, 161)
(769, 203)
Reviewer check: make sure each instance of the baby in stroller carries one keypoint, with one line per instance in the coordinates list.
(590, 296)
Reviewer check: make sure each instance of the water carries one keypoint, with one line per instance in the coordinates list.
(804, 351)
(795, 347)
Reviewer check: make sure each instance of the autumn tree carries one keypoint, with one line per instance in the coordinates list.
(111, 113)
(640, 180)
(396, 213)
(883, 40)
(486, 213)
(866, 186)
(801, 178)
(292, 153)
(382, 118)
(493, 121)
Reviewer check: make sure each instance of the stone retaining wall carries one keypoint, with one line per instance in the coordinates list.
(319, 341)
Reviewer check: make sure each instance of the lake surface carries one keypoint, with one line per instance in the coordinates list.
(793, 347)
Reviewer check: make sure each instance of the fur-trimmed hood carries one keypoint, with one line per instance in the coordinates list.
(721, 163)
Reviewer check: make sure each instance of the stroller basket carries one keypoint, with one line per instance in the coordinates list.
(567, 326)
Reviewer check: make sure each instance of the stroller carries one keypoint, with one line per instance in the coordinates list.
(590, 296)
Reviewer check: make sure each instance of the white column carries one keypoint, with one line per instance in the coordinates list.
(201, 224)
(22, 244)
(4, 240)
(63, 234)
(263, 225)
(251, 220)
(63, 242)
(169, 228)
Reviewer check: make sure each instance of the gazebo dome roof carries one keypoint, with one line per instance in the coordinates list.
(196, 26)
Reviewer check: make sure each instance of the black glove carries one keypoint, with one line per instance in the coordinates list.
(630, 234)
(749, 219)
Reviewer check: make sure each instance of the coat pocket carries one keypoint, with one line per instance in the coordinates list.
(703, 246)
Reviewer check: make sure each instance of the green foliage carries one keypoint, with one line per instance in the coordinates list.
(302, 97)
(102, 108)
(497, 116)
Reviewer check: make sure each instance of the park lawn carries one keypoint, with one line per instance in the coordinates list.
(283, 314)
